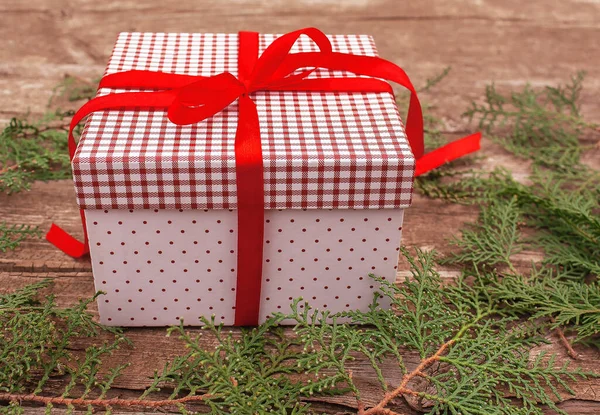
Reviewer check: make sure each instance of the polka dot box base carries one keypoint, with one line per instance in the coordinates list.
(160, 266)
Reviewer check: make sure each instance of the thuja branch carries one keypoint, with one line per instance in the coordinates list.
(19, 398)
(402, 389)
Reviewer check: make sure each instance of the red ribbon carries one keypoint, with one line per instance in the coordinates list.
(191, 99)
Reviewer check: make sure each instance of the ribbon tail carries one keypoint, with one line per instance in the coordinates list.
(66, 243)
(447, 153)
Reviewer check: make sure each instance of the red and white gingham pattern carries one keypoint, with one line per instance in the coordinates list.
(320, 150)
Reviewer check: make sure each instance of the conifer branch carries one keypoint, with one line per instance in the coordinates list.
(380, 408)
(106, 403)
(565, 342)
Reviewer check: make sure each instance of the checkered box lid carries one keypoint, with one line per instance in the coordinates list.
(321, 150)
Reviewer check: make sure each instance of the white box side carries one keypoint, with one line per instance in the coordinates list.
(160, 266)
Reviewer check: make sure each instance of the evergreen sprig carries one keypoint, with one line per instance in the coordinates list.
(37, 150)
(468, 359)
(494, 239)
(35, 343)
(559, 209)
(12, 235)
(544, 126)
(30, 152)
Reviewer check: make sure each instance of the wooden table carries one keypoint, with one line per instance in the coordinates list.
(510, 42)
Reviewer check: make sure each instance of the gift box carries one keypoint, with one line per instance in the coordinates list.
(161, 200)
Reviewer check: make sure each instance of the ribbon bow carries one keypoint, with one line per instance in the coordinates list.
(191, 99)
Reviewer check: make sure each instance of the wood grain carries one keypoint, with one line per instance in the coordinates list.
(508, 42)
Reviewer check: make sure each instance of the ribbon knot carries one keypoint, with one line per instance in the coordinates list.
(191, 99)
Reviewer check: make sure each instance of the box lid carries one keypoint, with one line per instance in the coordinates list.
(325, 150)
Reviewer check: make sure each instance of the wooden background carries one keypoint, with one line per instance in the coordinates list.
(510, 42)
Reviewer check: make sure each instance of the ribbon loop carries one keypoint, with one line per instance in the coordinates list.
(268, 66)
